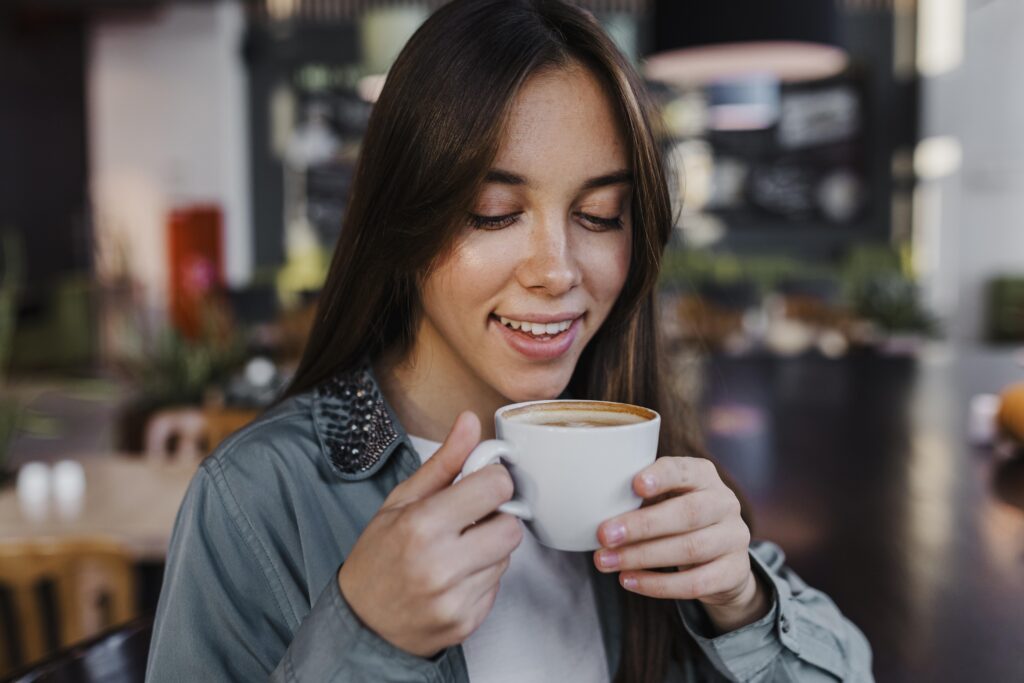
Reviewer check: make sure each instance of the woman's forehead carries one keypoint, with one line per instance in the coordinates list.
(563, 121)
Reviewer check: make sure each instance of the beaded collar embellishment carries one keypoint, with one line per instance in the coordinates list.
(354, 422)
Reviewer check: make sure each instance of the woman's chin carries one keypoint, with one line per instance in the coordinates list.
(525, 398)
(523, 392)
(520, 383)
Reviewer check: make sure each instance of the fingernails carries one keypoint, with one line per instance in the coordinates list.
(650, 483)
(608, 559)
(614, 532)
(628, 582)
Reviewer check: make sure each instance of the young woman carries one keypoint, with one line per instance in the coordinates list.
(502, 244)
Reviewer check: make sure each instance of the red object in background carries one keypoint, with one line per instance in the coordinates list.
(196, 264)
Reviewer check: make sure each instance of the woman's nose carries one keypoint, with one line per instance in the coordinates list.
(550, 262)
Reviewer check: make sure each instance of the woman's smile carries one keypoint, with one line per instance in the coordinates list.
(538, 337)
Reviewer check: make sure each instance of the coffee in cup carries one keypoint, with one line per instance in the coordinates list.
(573, 464)
(581, 414)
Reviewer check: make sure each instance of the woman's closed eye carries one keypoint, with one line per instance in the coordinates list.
(600, 223)
(592, 222)
(484, 222)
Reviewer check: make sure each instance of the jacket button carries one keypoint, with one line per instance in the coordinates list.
(785, 624)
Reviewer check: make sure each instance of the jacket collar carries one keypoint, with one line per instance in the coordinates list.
(357, 429)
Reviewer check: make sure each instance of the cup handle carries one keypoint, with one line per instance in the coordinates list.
(491, 452)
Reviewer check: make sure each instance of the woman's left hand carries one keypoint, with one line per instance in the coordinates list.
(690, 523)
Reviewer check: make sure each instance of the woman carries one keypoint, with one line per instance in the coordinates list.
(502, 244)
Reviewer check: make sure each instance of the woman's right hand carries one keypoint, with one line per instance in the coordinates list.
(424, 573)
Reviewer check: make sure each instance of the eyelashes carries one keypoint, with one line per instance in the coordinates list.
(492, 222)
(614, 223)
(595, 223)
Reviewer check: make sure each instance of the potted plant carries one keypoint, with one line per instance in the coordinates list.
(10, 278)
(172, 370)
(10, 420)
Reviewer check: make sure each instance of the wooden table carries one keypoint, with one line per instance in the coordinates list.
(127, 498)
(861, 470)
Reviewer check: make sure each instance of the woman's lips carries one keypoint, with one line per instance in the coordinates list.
(539, 348)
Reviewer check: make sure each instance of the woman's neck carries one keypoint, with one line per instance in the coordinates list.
(428, 388)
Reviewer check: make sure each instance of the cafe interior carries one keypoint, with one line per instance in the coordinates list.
(842, 297)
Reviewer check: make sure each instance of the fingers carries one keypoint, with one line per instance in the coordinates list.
(491, 541)
(479, 584)
(674, 475)
(442, 467)
(465, 608)
(697, 547)
(706, 580)
(673, 516)
(471, 499)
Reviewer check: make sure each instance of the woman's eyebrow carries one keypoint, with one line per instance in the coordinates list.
(496, 175)
(616, 178)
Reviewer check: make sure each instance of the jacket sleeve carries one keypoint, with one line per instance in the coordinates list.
(223, 616)
(803, 637)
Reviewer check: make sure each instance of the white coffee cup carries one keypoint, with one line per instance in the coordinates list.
(570, 477)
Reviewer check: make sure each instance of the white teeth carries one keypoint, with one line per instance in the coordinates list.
(537, 329)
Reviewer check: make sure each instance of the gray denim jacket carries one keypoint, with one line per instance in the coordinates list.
(250, 590)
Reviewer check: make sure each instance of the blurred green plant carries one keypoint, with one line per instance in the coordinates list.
(62, 341)
(11, 258)
(865, 263)
(1005, 309)
(875, 280)
(11, 265)
(172, 369)
(893, 302)
(10, 421)
(684, 269)
(879, 287)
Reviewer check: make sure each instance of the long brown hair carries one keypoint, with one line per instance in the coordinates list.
(432, 137)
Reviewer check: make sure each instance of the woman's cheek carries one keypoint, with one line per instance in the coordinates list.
(486, 260)
(607, 270)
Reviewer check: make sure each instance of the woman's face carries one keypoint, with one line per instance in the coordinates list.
(545, 250)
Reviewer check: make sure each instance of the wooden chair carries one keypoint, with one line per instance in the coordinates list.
(193, 433)
(222, 422)
(93, 588)
(177, 433)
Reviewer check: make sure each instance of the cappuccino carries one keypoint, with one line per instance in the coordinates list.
(580, 414)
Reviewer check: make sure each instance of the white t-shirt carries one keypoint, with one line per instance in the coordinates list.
(544, 625)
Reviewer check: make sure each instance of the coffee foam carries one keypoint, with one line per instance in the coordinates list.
(580, 414)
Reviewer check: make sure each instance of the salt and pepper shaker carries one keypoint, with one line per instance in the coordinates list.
(38, 484)
(33, 487)
(68, 488)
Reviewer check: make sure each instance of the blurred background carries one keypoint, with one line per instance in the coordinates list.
(843, 297)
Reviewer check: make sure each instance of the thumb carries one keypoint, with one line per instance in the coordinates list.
(440, 470)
